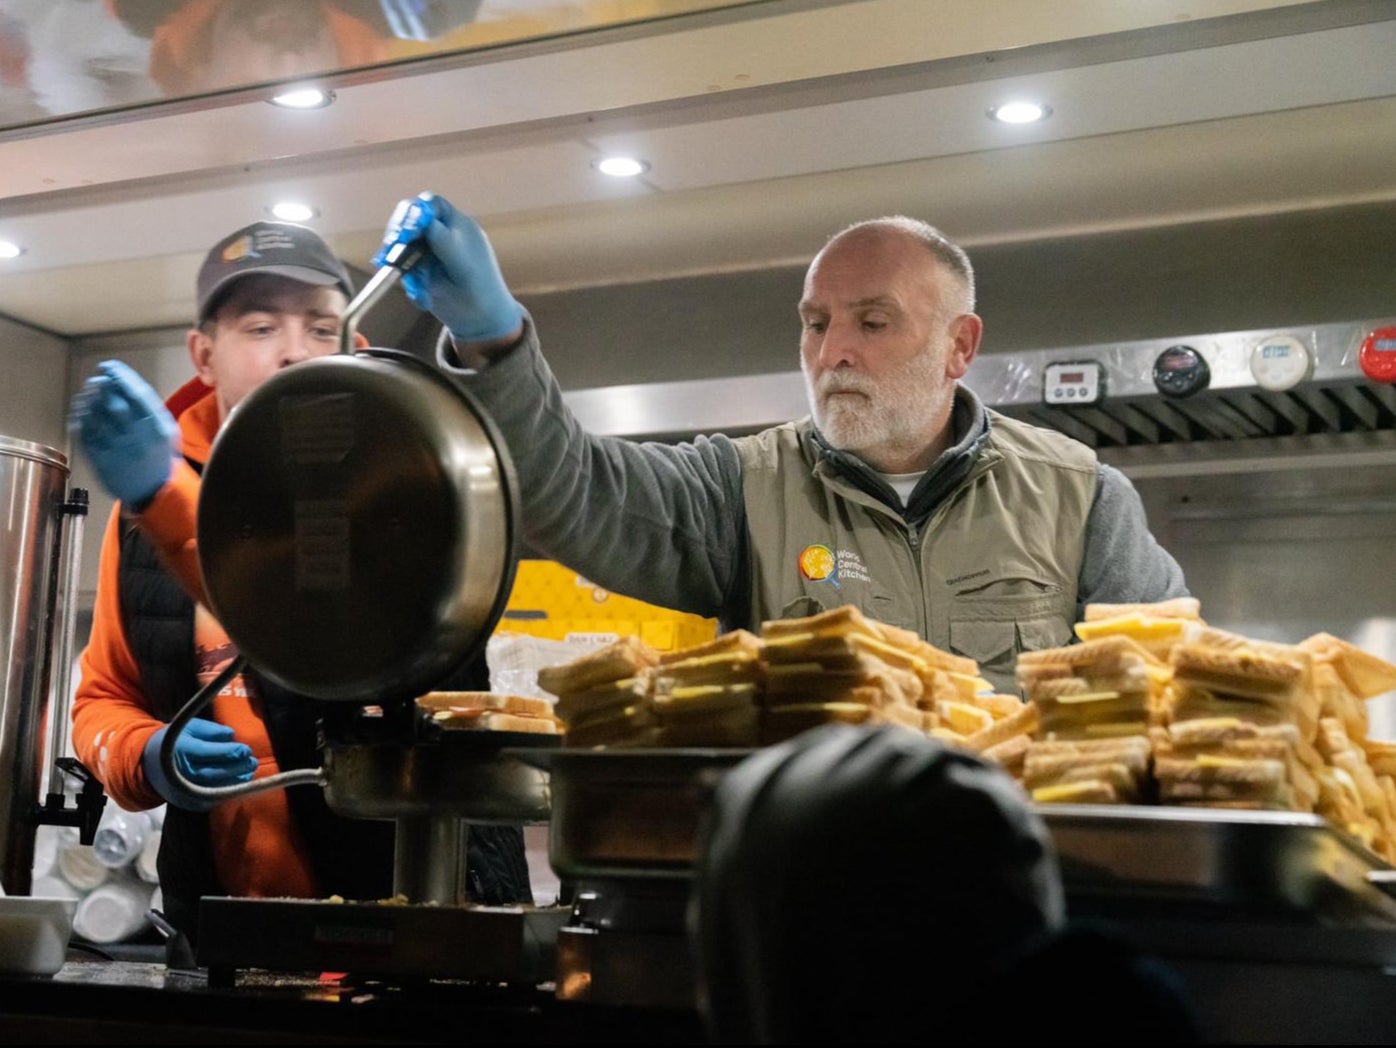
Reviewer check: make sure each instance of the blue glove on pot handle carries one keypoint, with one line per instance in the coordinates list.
(205, 754)
(126, 432)
(457, 280)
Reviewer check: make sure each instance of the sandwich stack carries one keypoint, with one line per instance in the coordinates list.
(709, 695)
(1004, 736)
(603, 697)
(837, 666)
(1358, 787)
(1239, 726)
(1096, 702)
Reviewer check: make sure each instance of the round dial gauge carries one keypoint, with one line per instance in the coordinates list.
(1180, 371)
(1281, 362)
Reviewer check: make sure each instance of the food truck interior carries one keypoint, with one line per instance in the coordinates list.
(1209, 200)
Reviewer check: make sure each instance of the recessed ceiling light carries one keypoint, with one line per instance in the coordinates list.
(9, 249)
(620, 166)
(1020, 112)
(292, 211)
(303, 98)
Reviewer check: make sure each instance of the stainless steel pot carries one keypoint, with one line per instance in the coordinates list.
(356, 527)
(33, 479)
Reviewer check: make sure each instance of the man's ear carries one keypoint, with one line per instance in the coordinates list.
(360, 341)
(965, 332)
(200, 348)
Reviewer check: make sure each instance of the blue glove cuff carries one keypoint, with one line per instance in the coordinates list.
(159, 781)
(150, 764)
(506, 320)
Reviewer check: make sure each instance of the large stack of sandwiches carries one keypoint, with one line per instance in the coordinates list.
(744, 689)
(1156, 706)
(1151, 706)
(1100, 701)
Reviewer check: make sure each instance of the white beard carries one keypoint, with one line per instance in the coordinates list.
(872, 419)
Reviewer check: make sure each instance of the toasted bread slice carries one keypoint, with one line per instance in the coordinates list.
(730, 643)
(1176, 608)
(494, 720)
(629, 726)
(962, 718)
(1011, 753)
(1381, 756)
(1120, 776)
(1023, 721)
(999, 705)
(723, 668)
(1239, 672)
(1091, 791)
(838, 621)
(1134, 751)
(1364, 673)
(1102, 655)
(465, 701)
(612, 695)
(618, 660)
(689, 700)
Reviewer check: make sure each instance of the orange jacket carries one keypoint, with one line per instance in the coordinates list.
(257, 848)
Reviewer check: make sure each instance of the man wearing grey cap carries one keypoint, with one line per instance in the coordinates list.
(268, 296)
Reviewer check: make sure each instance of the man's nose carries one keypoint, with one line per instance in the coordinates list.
(294, 349)
(838, 346)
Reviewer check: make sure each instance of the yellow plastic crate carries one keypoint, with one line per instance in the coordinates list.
(549, 600)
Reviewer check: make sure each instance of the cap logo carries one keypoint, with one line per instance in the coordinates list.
(239, 249)
(257, 243)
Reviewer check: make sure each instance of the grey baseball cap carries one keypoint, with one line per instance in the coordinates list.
(280, 248)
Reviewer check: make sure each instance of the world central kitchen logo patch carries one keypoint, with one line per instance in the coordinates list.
(819, 563)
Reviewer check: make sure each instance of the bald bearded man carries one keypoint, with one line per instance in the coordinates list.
(901, 493)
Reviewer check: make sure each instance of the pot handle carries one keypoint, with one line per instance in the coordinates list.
(398, 260)
(191, 794)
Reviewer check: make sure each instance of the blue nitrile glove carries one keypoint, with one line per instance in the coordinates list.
(126, 432)
(458, 280)
(205, 754)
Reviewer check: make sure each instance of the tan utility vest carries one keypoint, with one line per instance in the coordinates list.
(992, 572)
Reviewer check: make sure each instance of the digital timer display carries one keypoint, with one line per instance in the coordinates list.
(1073, 383)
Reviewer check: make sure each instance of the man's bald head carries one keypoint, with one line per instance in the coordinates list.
(949, 254)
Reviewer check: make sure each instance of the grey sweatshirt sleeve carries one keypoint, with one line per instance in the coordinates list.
(662, 523)
(1123, 562)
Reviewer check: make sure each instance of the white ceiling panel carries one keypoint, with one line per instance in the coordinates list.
(767, 125)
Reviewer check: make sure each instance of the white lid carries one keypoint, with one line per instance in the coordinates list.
(113, 912)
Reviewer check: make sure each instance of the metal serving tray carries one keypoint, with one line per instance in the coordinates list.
(636, 815)
(628, 814)
(1244, 860)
